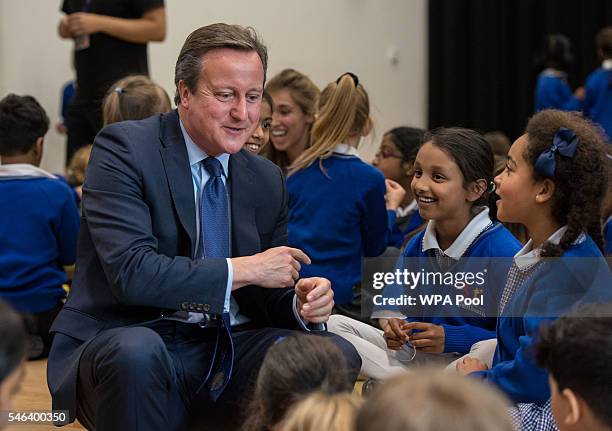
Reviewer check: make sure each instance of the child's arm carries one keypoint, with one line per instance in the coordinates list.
(520, 378)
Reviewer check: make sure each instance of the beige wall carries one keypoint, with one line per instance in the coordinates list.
(322, 38)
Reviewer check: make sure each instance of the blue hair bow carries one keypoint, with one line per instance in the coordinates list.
(565, 143)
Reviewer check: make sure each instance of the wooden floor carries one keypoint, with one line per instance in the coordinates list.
(34, 396)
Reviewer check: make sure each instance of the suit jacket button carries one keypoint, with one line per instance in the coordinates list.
(206, 307)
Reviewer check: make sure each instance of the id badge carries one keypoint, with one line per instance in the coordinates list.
(81, 42)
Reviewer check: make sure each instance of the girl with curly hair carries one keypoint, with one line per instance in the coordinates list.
(554, 183)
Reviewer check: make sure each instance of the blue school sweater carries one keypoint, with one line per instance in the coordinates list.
(464, 327)
(337, 219)
(39, 224)
(598, 99)
(555, 287)
(397, 235)
(553, 92)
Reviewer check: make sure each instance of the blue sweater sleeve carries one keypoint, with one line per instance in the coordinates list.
(374, 223)
(520, 378)
(460, 338)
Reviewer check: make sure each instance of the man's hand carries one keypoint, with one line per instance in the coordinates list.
(469, 365)
(82, 23)
(395, 195)
(429, 339)
(275, 267)
(394, 333)
(315, 299)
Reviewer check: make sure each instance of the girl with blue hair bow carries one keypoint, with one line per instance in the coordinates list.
(554, 183)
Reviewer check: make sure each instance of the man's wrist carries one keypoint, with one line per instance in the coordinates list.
(243, 272)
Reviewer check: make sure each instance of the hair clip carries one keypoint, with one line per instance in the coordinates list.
(565, 143)
(352, 75)
(118, 90)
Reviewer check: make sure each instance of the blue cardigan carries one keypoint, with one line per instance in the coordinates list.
(462, 327)
(336, 219)
(551, 291)
(553, 92)
(598, 99)
(39, 224)
(607, 237)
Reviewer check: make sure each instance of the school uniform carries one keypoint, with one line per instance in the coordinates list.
(337, 216)
(538, 291)
(401, 222)
(553, 92)
(463, 326)
(598, 97)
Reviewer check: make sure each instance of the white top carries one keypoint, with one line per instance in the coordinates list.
(528, 256)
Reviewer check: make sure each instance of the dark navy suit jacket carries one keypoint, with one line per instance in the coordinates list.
(135, 259)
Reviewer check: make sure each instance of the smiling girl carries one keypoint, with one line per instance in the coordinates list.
(453, 173)
(295, 101)
(261, 135)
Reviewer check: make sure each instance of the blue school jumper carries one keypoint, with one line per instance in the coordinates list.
(598, 99)
(553, 92)
(607, 231)
(336, 218)
(555, 287)
(463, 329)
(39, 224)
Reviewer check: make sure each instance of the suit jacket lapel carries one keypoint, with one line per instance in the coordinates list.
(245, 236)
(178, 173)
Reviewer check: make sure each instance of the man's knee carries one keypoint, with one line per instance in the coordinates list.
(139, 350)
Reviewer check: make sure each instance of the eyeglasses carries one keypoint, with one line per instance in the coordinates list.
(387, 154)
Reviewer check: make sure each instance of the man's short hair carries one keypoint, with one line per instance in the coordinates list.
(12, 340)
(577, 350)
(22, 122)
(215, 36)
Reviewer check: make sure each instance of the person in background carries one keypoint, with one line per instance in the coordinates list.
(39, 222)
(260, 138)
(322, 411)
(552, 89)
(295, 101)
(598, 89)
(293, 368)
(110, 42)
(433, 401)
(134, 97)
(337, 211)
(395, 159)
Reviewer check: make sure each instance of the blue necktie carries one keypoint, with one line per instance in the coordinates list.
(214, 214)
(214, 242)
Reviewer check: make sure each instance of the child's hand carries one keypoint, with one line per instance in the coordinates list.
(394, 335)
(395, 195)
(429, 339)
(469, 365)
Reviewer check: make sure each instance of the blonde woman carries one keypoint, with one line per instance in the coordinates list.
(295, 99)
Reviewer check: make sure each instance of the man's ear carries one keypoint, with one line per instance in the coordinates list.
(545, 190)
(184, 94)
(476, 189)
(574, 407)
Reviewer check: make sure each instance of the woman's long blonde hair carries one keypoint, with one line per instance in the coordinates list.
(344, 110)
(320, 411)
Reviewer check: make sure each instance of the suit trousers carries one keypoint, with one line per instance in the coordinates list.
(148, 377)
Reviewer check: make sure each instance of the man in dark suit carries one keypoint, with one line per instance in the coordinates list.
(182, 279)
